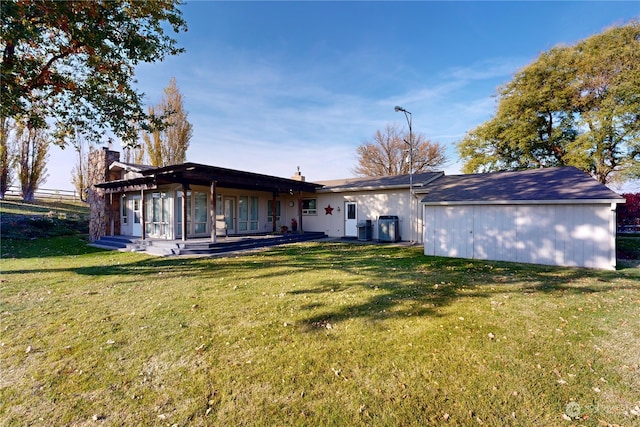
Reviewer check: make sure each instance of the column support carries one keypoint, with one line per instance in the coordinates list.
(185, 188)
(214, 222)
(301, 228)
(111, 215)
(143, 218)
(274, 211)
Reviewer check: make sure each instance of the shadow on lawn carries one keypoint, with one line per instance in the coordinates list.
(401, 281)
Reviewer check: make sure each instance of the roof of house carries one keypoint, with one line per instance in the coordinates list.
(558, 184)
(377, 183)
(130, 166)
(198, 174)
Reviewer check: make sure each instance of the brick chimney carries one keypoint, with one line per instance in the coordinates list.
(99, 162)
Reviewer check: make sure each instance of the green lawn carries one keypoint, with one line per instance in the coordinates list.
(312, 334)
(43, 218)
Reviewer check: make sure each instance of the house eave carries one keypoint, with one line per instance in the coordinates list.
(358, 189)
(127, 185)
(523, 202)
(418, 187)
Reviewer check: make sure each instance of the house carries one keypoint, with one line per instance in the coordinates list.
(147, 202)
(347, 202)
(151, 202)
(555, 216)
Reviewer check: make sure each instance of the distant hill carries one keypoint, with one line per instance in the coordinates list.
(20, 220)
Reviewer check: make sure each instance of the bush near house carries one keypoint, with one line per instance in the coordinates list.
(629, 213)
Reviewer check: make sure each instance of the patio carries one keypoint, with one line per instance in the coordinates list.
(202, 246)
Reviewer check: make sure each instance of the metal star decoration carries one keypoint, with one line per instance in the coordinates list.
(328, 210)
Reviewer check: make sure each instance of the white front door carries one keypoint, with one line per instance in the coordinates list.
(135, 209)
(230, 214)
(351, 219)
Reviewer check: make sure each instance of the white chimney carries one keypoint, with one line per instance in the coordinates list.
(298, 176)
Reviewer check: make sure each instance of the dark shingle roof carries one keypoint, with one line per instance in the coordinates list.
(381, 182)
(548, 184)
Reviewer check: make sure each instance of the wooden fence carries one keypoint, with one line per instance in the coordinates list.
(45, 193)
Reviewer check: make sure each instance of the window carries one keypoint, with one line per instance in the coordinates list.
(125, 211)
(157, 220)
(247, 213)
(197, 209)
(253, 224)
(219, 206)
(179, 213)
(270, 211)
(309, 207)
(201, 213)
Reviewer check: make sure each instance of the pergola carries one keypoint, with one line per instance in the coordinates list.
(188, 174)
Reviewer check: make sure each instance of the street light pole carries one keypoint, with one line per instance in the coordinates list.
(409, 117)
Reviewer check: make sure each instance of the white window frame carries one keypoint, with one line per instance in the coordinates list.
(309, 210)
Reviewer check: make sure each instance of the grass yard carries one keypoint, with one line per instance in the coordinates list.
(28, 220)
(312, 334)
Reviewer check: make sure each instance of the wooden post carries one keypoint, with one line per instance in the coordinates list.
(185, 188)
(111, 216)
(300, 211)
(214, 222)
(274, 211)
(143, 219)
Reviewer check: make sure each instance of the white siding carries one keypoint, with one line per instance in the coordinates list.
(566, 235)
(448, 231)
(495, 233)
(370, 205)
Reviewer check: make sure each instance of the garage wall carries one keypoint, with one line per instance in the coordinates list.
(566, 235)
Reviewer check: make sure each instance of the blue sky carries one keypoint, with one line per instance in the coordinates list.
(270, 86)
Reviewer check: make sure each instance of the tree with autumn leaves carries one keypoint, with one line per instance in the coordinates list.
(629, 212)
(75, 61)
(168, 146)
(575, 105)
(71, 64)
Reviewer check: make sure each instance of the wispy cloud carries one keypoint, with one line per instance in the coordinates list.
(261, 115)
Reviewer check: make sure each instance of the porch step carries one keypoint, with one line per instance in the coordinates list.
(247, 243)
(172, 248)
(121, 243)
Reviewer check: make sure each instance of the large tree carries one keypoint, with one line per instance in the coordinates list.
(32, 143)
(80, 172)
(6, 157)
(387, 153)
(575, 105)
(76, 61)
(168, 146)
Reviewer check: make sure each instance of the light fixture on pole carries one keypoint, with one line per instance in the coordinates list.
(409, 117)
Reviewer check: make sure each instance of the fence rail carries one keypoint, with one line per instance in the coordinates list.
(45, 193)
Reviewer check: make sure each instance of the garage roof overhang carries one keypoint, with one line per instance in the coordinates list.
(522, 202)
(197, 174)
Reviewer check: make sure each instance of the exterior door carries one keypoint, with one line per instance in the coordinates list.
(135, 209)
(351, 219)
(230, 214)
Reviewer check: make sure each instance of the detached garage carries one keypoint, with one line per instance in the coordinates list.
(554, 216)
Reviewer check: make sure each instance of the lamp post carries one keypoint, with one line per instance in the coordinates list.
(409, 117)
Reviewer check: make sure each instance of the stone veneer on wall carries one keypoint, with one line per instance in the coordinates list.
(99, 219)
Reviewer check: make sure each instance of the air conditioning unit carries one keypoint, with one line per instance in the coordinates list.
(389, 228)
